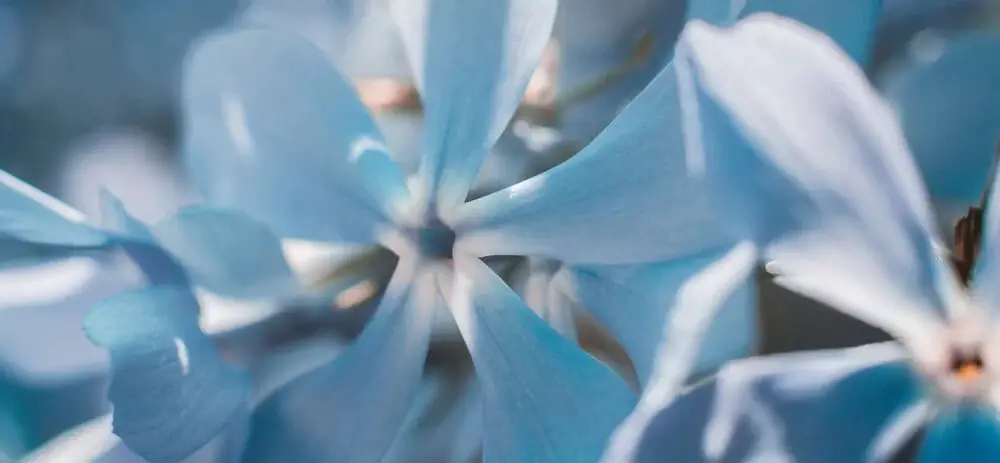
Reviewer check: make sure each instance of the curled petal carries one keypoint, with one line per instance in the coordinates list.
(171, 391)
(472, 60)
(625, 198)
(272, 128)
(807, 159)
(546, 400)
(351, 409)
(227, 252)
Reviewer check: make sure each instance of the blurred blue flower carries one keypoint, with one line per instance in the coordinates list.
(273, 129)
(812, 167)
(153, 333)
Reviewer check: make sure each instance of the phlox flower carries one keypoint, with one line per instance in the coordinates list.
(273, 128)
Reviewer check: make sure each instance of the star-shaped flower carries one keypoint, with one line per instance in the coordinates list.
(812, 167)
(272, 128)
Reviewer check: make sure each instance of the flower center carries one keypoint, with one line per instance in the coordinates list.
(435, 240)
(967, 367)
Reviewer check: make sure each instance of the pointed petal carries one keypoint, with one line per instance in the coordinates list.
(351, 409)
(472, 60)
(171, 391)
(546, 399)
(634, 302)
(986, 274)
(227, 252)
(967, 435)
(946, 99)
(851, 24)
(690, 315)
(624, 199)
(272, 128)
(823, 407)
(808, 160)
(30, 215)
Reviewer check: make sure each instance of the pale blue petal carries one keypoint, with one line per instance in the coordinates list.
(625, 198)
(472, 60)
(822, 407)
(116, 219)
(804, 157)
(30, 215)
(986, 273)
(968, 434)
(850, 23)
(171, 391)
(272, 128)
(633, 302)
(351, 409)
(138, 243)
(946, 97)
(227, 252)
(545, 399)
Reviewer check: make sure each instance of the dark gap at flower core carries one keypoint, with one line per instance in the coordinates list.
(435, 240)
(967, 366)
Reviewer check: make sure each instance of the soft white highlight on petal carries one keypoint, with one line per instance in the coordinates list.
(903, 426)
(45, 283)
(37, 195)
(85, 442)
(182, 356)
(802, 373)
(696, 305)
(236, 122)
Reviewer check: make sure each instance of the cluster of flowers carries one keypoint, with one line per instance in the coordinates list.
(761, 141)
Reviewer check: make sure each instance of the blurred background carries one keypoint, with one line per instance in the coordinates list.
(88, 100)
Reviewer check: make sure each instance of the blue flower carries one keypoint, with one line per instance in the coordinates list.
(811, 166)
(272, 128)
(167, 378)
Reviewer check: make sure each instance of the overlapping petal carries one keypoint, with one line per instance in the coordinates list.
(472, 60)
(545, 400)
(850, 23)
(824, 407)
(634, 302)
(946, 98)
(807, 159)
(588, 209)
(171, 391)
(273, 129)
(969, 434)
(986, 274)
(364, 393)
(227, 252)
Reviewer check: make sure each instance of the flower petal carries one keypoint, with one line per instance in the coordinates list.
(138, 243)
(472, 60)
(808, 160)
(624, 199)
(30, 215)
(364, 393)
(823, 406)
(968, 435)
(851, 24)
(546, 399)
(947, 98)
(227, 252)
(692, 312)
(272, 128)
(634, 302)
(171, 391)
